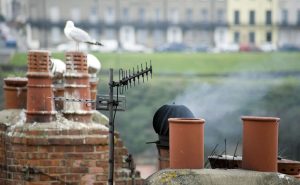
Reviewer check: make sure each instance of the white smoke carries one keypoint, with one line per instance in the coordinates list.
(222, 104)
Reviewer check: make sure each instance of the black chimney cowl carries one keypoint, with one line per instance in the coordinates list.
(161, 116)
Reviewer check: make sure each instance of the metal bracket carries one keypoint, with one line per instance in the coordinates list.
(119, 102)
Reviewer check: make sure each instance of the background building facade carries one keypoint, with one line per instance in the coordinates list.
(146, 22)
(252, 22)
(210, 23)
(289, 23)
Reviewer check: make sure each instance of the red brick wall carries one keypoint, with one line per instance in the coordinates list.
(3, 128)
(76, 157)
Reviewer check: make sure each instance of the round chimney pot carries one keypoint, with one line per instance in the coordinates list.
(186, 143)
(260, 143)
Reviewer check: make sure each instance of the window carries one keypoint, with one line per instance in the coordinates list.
(93, 32)
(16, 9)
(269, 36)
(252, 37)
(75, 14)
(284, 17)
(252, 17)
(142, 14)
(158, 37)
(110, 34)
(268, 17)
(189, 15)
(174, 17)
(54, 14)
(204, 16)
(236, 37)
(157, 15)
(93, 14)
(220, 15)
(125, 14)
(236, 17)
(55, 35)
(109, 15)
(142, 36)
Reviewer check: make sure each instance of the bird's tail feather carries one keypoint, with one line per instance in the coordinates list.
(94, 43)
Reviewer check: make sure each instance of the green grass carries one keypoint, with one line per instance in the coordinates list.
(194, 63)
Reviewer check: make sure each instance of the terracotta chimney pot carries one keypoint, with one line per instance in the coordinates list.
(77, 87)
(186, 143)
(260, 143)
(40, 103)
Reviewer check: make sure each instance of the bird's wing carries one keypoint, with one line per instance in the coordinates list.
(79, 35)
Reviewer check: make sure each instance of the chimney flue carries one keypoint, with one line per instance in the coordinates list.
(260, 143)
(77, 88)
(40, 103)
(186, 143)
(15, 93)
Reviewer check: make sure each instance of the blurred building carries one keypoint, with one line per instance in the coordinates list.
(289, 23)
(146, 22)
(208, 23)
(252, 22)
(13, 10)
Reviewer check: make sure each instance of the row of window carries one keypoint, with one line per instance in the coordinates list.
(157, 15)
(236, 37)
(268, 17)
(285, 16)
(252, 17)
(173, 15)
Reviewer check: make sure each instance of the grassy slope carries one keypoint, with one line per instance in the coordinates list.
(200, 63)
(280, 99)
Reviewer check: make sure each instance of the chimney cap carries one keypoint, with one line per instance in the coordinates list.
(16, 81)
(40, 51)
(258, 118)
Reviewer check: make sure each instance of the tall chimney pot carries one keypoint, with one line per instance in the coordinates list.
(40, 103)
(77, 87)
(186, 143)
(260, 143)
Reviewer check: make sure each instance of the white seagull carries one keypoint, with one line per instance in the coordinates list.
(78, 35)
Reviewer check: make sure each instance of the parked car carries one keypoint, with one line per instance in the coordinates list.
(268, 47)
(135, 48)
(289, 47)
(225, 48)
(201, 48)
(173, 47)
(249, 48)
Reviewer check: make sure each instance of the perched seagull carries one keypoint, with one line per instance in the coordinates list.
(93, 64)
(78, 35)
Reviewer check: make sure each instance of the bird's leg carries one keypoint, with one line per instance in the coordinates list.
(77, 46)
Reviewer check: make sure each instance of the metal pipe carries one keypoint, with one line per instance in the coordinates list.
(111, 129)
